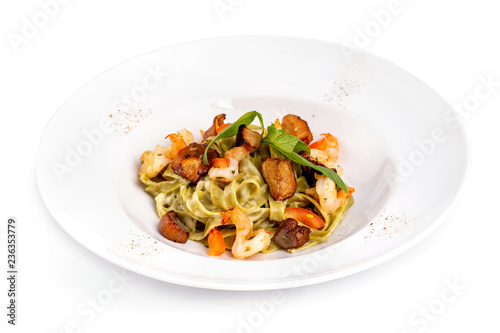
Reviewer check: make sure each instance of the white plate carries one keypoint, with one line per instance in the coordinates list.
(400, 149)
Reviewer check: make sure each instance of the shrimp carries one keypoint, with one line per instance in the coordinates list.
(326, 151)
(247, 242)
(226, 169)
(237, 153)
(329, 198)
(187, 136)
(180, 141)
(154, 162)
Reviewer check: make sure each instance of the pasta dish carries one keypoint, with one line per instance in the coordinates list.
(247, 188)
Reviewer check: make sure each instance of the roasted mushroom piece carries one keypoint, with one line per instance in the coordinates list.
(171, 228)
(296, 126)
(248, 138)
(212, 131)
(290, 235)
(279, 175)
(189, 161)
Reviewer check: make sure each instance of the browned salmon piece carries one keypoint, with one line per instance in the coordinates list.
(248, 138)
(189, 161)
(279, 175)
(296, 126)
(290, 235)
(171, 229)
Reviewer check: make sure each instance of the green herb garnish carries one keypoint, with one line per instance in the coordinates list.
(232, 129)
(284, 142)
(288, 146)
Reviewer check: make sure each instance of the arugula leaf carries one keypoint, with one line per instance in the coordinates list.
(289, 147)
(232, 129)
(301, 146)
(286, 142)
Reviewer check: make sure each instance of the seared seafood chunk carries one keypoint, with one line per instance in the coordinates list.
(189, 162)
(248, 138)
(279, 175)
(296, 126)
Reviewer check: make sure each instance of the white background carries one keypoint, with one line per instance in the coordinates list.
(447, 44)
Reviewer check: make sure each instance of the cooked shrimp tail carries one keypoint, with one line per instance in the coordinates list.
(247, 242)
(329, 198)
(226, 169)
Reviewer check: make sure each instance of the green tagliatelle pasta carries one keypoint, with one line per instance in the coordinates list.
(200, 206)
